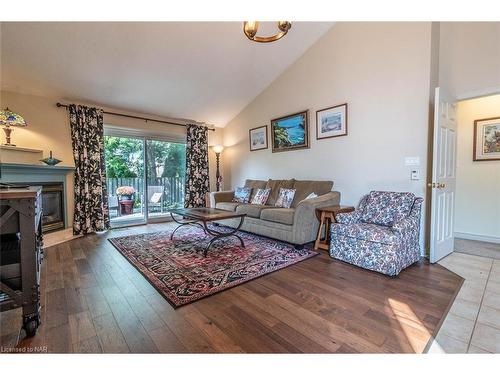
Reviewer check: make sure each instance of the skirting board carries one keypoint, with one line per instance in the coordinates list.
(477, 237)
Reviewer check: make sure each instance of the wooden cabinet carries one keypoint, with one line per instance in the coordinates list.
(21, 253)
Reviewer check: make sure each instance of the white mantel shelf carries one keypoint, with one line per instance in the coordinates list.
(23, 149)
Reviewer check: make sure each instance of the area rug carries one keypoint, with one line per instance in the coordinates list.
(178, 270)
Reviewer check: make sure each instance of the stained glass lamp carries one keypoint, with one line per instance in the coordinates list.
(8, 119)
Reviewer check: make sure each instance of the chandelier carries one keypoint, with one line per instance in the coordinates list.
(250, 29)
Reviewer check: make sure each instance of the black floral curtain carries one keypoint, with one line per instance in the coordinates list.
(197, 183)
(91, 198)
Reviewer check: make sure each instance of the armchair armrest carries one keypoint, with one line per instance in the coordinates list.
(406, 225)
(220, 196)
(410, 226)
(348, 217)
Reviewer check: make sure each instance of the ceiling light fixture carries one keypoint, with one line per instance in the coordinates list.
(250, 29)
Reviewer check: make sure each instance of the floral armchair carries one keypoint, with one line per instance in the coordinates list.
(382, 235)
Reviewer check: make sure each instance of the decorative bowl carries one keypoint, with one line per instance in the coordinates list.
(50, 160)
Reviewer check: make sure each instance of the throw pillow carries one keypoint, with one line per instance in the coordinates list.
(311, 196)
(285, 198)
(242, 195)
(275, 186)
(255, 185)
(261, 196)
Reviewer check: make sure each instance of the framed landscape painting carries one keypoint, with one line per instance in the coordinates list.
(487, 139)
(258, 138)
(290, 132)
(331, 122)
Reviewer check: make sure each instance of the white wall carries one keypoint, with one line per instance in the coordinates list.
(477, 213)
(382, 70)
(470, 58)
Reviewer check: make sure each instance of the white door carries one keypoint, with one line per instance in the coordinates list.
(443, 176)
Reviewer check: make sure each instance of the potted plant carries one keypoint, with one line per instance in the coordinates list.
(126, 199)
(126, 193)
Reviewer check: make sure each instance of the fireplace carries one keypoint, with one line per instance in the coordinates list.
(52, 179)
(52, 206)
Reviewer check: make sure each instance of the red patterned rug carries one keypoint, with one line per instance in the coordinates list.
(178, 270)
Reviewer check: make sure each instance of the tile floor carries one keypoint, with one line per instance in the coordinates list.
(473, 323)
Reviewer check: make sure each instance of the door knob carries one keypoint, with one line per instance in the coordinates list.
(437, 185)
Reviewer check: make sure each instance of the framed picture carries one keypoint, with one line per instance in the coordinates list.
(258, 138)
(487, 139)
(331, 122)
(290, 132)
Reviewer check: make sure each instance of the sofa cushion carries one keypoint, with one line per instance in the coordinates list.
(304, 188)
(254, 185)
(366, 232)
(275, 186)
(278, 215)
(252, 210)
(386, 207)
(228, 206)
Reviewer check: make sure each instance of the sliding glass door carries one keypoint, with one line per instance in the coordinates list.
(165, 171)
(124, 157)
(145, 178)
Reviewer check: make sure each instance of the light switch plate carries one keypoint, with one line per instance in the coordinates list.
(415, 175)
(412, 160)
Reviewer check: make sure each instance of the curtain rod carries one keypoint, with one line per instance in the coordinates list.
(139, 118)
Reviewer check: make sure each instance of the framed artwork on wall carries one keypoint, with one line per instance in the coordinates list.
(331, 122)
(258, 138)
(487, 139)
(290, 132)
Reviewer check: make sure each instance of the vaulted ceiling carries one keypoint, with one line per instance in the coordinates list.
(204, 71)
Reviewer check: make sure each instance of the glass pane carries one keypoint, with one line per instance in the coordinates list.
(125, 179)
(165, 171)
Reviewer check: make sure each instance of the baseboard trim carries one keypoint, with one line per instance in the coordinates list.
(477, 237)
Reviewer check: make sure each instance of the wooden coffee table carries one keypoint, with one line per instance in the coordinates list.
(200, 217)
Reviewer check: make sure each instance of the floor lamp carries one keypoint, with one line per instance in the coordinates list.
(218, 178)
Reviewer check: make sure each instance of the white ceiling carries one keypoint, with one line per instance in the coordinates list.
(204, 71)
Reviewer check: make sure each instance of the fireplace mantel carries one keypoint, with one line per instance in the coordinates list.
(33, 173)
(20, 168)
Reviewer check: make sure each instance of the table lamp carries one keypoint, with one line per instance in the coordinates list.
(8, 119)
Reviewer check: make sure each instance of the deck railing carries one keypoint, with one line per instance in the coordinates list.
(171, 188)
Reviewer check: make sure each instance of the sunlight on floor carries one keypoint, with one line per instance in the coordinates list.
(404, 319)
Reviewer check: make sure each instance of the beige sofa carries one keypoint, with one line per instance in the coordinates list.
(297, 225)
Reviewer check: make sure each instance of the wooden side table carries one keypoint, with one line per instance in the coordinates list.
(326, 216)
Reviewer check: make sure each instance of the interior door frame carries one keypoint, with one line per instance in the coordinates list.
(128, 133)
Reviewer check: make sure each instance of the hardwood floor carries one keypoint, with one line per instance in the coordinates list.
(94, 301)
